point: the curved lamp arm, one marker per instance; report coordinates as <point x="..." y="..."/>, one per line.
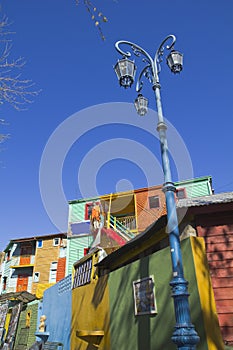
<point x="145" y="72"/>
<point x="137" y="50"/>
<point x="154" y="65"/>
<point x="159" y="53"/>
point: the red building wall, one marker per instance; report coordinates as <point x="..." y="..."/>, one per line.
<point x="61" y="269"/>
<point x="217" y="229"/>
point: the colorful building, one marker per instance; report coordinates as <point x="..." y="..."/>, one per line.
<point x="56" y="306"/>
<point x="110" y="309"/>
<point x="211" y="217"/>
<point x="12" y="309"/>
<point x="125" y="214"/>
<point x="33" y="264"/>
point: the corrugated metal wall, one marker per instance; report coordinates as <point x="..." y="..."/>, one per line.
<point x="76" y="247"/>
<point x="77" y="212"/>
<point x="196" y="188"/>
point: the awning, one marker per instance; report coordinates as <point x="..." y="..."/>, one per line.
<point x="24" y="296"/>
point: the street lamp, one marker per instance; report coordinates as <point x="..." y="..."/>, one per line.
<point x="184" y="334"/>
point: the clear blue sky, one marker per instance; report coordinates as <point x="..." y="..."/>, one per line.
<point x="68" y="61"/>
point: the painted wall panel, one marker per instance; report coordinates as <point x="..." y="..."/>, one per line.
<point x="196" y="187"/>
<point x="61" y="268"/>
<point x="45" y="255"/>
<point x="12" y="283"/>
<point x="149" y="331"/>
<point x="57" y="308"/>
<point x="90" y="316"/>
<point x="80" y="227"/>
<point x="77" y="212"/>
<point x="27" y="326"/>
<point x="76" y="246"/>
<point x="29" y="284"/>
<point x="217" y="230"/>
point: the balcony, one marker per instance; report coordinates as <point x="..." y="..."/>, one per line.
<point x="22" y="261"/>
<point x="129" y="222"/>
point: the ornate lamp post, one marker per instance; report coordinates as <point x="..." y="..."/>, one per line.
<point x="184" y="335"/>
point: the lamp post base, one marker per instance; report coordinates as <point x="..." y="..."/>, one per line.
<point x="184" y="335"/>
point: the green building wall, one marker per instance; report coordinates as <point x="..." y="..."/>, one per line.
<point x="197" y="187"/>
<point x="25" y="336"/>
<point x="75" y="249"/>
<point x="131" y="332"/>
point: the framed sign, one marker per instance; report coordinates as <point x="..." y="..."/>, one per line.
<point x="144" y="296"/>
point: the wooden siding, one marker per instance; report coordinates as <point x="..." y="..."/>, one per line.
<point x="61" y="269"/>
<point x="77" y="212"/>
<point x="75" y="251"/>
<point x="25" y="335"/>
<point x="217" y="229"/>
<point x="196" y="187"/>
<point x="43" y="259"/>
<point x="12" y="283"/>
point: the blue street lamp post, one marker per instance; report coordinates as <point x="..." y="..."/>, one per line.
<point x="184" y="334"/>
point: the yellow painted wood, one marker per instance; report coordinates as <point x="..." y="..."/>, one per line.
<point x="41" y="287"/>
<point x="20" y="266"/>
<point x="136" y="213"/>
<point x="213" y="333"/>
<point x="84" y="333"/>
<point x="7" y="322"/>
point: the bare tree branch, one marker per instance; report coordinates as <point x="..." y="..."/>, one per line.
<point x="96" y="16"/>
<point x="14" y="90"/>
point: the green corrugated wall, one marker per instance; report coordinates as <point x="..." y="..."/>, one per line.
<point x="77" y="212"/>
<point x="76" y="249"/>
<point x="25" y="337"/>
<point x="196" y="187"/>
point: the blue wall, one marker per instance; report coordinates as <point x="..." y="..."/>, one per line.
<point x="57" y="308"/>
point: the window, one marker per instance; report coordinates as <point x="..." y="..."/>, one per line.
<point x="28" y="319"/>
<point x="56" y="242"/>
<point x="181" y="193"/>
<point x="4" y="283"/>
<point x="83" y="274"/>
<point x="88" y="210"/>
<point x="25" y="249"/>
<point x="154" y="202"/>
<point x="53" y="272"/>
<point x="86" y="251"/>
<point x="8" y="255"/>
<point x="36" y="277"/>
<point x="40" y="243"/>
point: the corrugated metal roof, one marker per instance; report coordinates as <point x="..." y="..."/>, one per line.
<point x="21" y="296"/>
<point x="219" y="198"/>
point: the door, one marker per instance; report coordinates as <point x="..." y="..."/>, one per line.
<point x="22" y="283"/>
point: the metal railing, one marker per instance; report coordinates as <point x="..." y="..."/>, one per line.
<point x="119" y="228"/>
<point x="128" y="221"/>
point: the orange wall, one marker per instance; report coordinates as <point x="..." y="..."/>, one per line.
<point x="61" y="269"/>
<point x="145" y="215"/>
